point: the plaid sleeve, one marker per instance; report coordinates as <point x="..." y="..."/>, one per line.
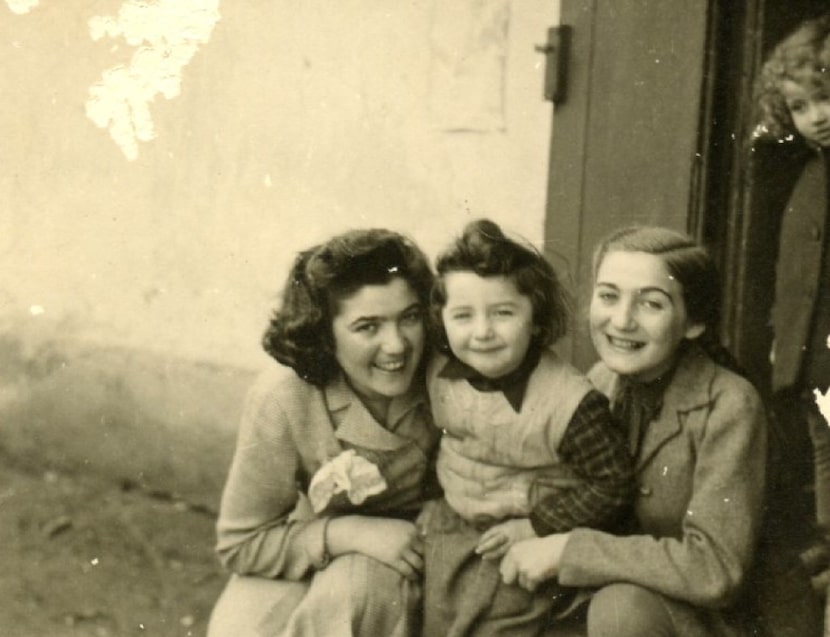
<point x="594" y="447"/>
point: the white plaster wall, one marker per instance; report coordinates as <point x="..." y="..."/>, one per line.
<point x="290" y="121"/>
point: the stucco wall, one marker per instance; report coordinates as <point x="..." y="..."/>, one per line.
<point x="139" y="261"/>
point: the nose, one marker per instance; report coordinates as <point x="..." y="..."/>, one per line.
<point x="482" y="328"/>
<point x="394" y="341"/>
<point x="622" y="315"/>
<point x="816" y="114"/>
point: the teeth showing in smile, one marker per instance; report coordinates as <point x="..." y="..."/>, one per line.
<point x="394" y="366"/>
<point x="624" y="343"/>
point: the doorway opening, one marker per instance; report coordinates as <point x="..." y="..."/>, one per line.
<point x="740" y="192"/>
<point x="740" y="187"/>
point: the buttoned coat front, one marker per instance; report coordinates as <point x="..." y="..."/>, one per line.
<point x="798" y="269"/>
<point x="700" y="473"/>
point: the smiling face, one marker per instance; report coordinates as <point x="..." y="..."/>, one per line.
<point x="489" y="324"/>
<point x="638" y="315"/>
<point x="379" y="340"/>
<point x="810" y="109"/>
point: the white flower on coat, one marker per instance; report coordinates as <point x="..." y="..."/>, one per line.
<point x="349" y="473"/>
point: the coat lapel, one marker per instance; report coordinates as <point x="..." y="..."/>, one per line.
<point x="356" y="426"/>
<point x="688" y="391"/>
<point x="660" y="432"/>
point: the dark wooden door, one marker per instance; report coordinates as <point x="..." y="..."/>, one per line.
<point x="625" y="142"/>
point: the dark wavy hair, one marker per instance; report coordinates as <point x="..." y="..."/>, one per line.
<point x="803" y="57"/>
<point x="485" y="250"/>
<point x="692" y="267"/>
<point x="299" y="333"/>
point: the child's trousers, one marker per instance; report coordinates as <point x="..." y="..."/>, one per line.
<point x="820" y="435"/>
<point x="464" y="594"/>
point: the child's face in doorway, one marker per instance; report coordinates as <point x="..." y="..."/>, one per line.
<point x="489" y="323"/>
<point x="810" y="109"/>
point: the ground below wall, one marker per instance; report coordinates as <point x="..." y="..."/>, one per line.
<point x="152" y="422"/>
<point x="83" y="556"/>
<point x="112" y="462"/>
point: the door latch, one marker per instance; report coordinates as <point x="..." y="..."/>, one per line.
<point x="556" y="50"/>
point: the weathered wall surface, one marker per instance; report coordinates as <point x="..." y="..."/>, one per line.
<point x="163" y="161"/>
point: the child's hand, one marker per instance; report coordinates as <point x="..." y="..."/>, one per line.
<point x="496" y="540"/>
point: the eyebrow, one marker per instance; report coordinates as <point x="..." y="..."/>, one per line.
<point x="463" y="306"/>
<point x="659" y="290"/>
<point x="645" y="290"/>
<point x="377" y="317"/>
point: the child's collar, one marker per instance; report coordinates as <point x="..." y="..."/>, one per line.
<point x="513" y="384"/>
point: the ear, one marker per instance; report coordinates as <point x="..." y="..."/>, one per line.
<point x="694" y="330"/>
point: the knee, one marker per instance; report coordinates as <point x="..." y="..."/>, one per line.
<point x="626" y="610"/>
<point x="353" y="582"/>
<point x="248" y="602"/>
<point x="332" y="587"/>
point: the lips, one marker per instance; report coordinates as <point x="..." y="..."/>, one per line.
<point x="391" y="366"/>
<point x="624" y="343"/>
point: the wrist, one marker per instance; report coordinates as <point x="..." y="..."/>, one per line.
<point x="342" y="535"/>
<point x="316" y="543"/>
<point x="325" y="554"/>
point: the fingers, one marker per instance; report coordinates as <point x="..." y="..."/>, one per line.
<point x="414" y="559"/>
<point x="405" y="569"/>
<point x="496" y="553"/>
<point x="493" y="547"/>
<point x="511" y="573"/>
<point x="508" y="569"/>
<point x="490" y="534"/>
<point x="410" y="565"/>
<point x="491" y="542"/>
<point x="526" y="582"/>
<point x="417" y="542"/>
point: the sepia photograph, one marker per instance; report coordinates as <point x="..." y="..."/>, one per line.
<point x="436" y="318"/>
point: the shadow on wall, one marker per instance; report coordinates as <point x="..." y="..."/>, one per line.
<point x="138" y="418"/>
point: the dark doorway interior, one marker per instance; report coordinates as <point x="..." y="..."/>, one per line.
<point x="741" y="187"/>
<point x="738" y="198"/>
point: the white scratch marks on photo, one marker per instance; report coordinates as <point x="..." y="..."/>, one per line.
<point x="166" y="34"/>
<point x="823" y="399"/>
<point x="22" y="6"/>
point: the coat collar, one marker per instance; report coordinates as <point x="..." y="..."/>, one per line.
<point x="690" y="389"/>
<point x="355" y="425"/>
<point x="692" y="384"/>
<point x="513" y="385"/>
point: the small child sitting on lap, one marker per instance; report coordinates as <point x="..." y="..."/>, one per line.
<point x="529" y="448"/>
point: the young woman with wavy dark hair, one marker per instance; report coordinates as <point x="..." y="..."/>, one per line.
<point x="316" y="520"/>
